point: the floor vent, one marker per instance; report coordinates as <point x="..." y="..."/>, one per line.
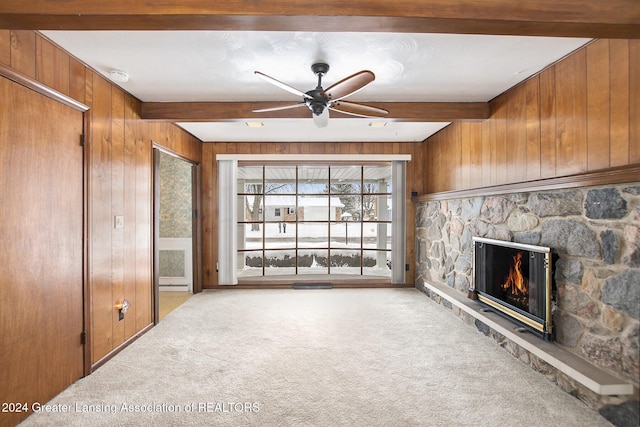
<point x="312" y="286"/>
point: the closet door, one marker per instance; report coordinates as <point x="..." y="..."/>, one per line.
<point x="41" y="248"/>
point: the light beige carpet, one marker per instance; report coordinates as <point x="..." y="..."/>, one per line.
<point x="340" y="357"/>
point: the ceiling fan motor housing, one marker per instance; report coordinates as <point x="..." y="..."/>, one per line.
<point x="320" y="68"/>
<point x="318" y="101"/>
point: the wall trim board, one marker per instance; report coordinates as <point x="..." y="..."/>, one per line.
<point x="38" y="87"/>
<point x="173" y="153"/>
<point x="616" y="175"/>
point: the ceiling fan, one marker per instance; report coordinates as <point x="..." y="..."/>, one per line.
<point x="320" y="100"/>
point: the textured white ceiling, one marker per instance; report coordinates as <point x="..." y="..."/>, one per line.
<point x="168" y="66"/>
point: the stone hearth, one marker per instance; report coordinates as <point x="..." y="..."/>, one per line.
<point x="595" y="233"/>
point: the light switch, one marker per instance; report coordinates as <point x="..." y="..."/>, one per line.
<point x="118" y="221"/>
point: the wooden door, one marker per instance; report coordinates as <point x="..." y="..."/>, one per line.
<point x="41" y="248"/>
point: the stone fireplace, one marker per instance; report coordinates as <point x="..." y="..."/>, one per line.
<point x="514" y="280"/>
<point x="594" y="233"/>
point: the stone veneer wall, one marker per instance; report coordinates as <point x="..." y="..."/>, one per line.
<point x="595" y="233"/>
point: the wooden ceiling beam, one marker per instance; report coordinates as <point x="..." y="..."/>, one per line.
<point x="225" y="111"/>
<point x="569" y="18"/>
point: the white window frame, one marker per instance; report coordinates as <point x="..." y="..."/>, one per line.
<point x="228" y="209"/>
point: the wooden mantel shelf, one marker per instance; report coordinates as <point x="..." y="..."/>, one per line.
<point x="592" y="377"/>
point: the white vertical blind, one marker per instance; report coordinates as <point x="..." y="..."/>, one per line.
<point x="398" y="220"/>
<point x="227" y="222"/>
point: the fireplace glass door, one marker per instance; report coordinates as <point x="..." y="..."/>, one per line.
<point x="514" y="279"/>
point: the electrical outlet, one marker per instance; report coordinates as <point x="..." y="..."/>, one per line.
<point x="118" y="221"/>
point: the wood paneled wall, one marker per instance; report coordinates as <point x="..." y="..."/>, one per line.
<point x="579" y="115"/>
<point x="119" y="163"/>
<point x="210" y="187"/>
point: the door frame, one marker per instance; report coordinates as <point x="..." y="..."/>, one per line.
<point x="196" y="224"/>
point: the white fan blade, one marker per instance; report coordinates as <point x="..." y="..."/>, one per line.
<point x="282" y="85"/>
<point x="285" y="107"/>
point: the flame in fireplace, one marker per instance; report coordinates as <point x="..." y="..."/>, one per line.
<point x="515" y="283"/>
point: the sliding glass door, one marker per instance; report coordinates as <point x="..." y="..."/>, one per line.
<point x="301" y="219"/>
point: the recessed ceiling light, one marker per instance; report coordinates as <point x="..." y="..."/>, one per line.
<point x="377" y="124"/>
<point x="254" y="124"/>
<point x="119" y="76"/>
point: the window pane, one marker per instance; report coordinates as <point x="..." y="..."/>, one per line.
<point x="313" y="262"/>
<point x="280" y="180"/>
<point x="313" y="234"/>
<point x="250" y="179"/>
<point x="280" y="235"/>
<point x="250" y="207"/>
<point x="377" y="235"/>
<point x="376" y="263"/>
<point x="377" y="179"/>
<point x="345" y="262"/>
<point x="314" y="219"/>
<point x="315" y="208"/>
<point x="250" y="264"/>
<point x="345" y="234"/>
<point x="351" y="207"/>
<point x="376" y="208"/>
<point x="277" y="208"/>
<point x="313" y="179"/>
<point x="279" y="262"/>
<point x="250" y="236"/>
<point x="346" y="179"/>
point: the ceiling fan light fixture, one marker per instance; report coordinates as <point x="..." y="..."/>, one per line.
<point x="119" y="76"/>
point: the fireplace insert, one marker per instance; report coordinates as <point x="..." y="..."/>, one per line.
<point x="514" y="280"/>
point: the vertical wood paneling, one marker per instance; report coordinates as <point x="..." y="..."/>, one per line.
<point x="485" y="146"/>
<point x="23" y="52"/>
<point x="620" y="100"/>
<point x="129" y="212"/>
<point x="77" y="80"/>
<point x="52" y="65"/>
<point x="580" y="114"/>
<point x="571" y="111"/>
<point x="101" y="219"/>
<point x="143" y="231"/>
<point x="500" y="124"/>
<point x="208" y="158"/>
<point x="465" y="155"/>
<point x="456" y="158"/>
<point x="119" y="168"/>
<point x="634" y="102"/>
<point x="117" y="208"/>
<point x="5" y="47"/>
<point x="516" y="136"/>
<point x="493" y="157"/>
<point x="598" y="105"/>
<point x="532" y="87"/>
<point x="475" y="149"/>
<point x="548" y="123"/>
